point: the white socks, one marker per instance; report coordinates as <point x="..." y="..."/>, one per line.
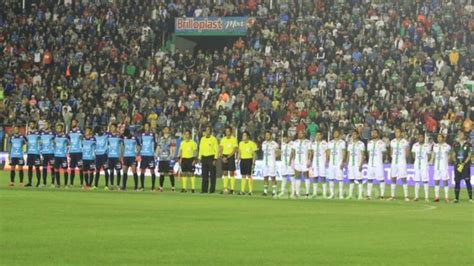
<point x="436" y="191"/>
<point x="417" y="190"/>
<point x="298" y="187"/>
<point x="425" y="186"/>
<point x="382" y="188"/>
<point x="393" y="187"/>
<point x="324" y="185"/>
<point x="331" y="188"/>
<point x="405" y="190"/>
<point x="283" y="185"/>
<point x="369" y="189"/>
<point x="307" y="184"/>
<point x="315" y="188"/>
<point x="351" y="189"/>
<point x="360" y="186"/>
<point x="341" y="189"/>
<point x="446" y="190"/>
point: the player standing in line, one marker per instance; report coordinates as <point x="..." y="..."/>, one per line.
<point x="399" y="148"/>
<point x="75" y="153"/>
<point x="227" y="149"/>
<point x="115" y="152"/>
<point x="167" y="151"/>
<point x="441" y="152"/>
<point x="421" y="152"/>
<point x="61" y="146"/>
<point x="356" y="158"/>
<point x="33" y="158"/>
<point x="47" y="152"/>
<point x="101" y="145"/>
<point x="88" y="157"/>
<point x="318" y="153"/>
<point x="131" y="146"/>
<point x="376" y="149"/>
<point x="270" y="149"/>
<point x="16" y="143"/>
<point x="301" y="162"/>
<point x="287" y="171"/>
<point x="147" y="154"/>
<point x="462" y="167"/>
<point x="247" y="155"/>
<point x="187" y="159"/>
<point x="336" y="152"/>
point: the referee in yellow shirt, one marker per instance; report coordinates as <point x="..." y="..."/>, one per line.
<point x="227" y="149"/>
<point x="247" y="155"/>
<point x="187" y="159"/>
<point x="208" y="152"/>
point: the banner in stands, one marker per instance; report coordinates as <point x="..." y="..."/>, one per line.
<point x="212" y="26"/>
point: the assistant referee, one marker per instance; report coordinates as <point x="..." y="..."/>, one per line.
<point x="228" y="148"/>
<point x="187" y="155"/>
<point x="208" y="152"/>
<point x="462" y="169"/>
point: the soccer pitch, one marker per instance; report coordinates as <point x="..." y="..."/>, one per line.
<point x="75" y="227"/>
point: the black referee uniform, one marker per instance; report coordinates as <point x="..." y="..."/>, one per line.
<point x="462" y="167"/>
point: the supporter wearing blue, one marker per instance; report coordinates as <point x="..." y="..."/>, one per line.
<point x="75" y="152"/>
<point x="101" y="145"/>
<point x="88" y="156"/>
<point x="47" y="151"/>
<point x="131" y="146"/>
<point x="147" y="154"/>
<point x="33" y="153"/>
<point x="114" y="154"/>
<point x="16" y="143"/>
<point x="61" y="146"/>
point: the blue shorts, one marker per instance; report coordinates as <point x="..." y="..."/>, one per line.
<point x="129" y="161"/>
<point x="48" y="159"/>
<point x="88" y="165"/>
<point x="101" y="161"/>
<point x="60" y="162"/>
<point x="17" y="161"/>
<point x="147" y="162"/>
<point x="75" y="160"/>
<point x="114" y="163"/>
<point x="33" y="160"/>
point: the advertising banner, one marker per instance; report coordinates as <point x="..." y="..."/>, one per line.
<point x="212" y="26"/>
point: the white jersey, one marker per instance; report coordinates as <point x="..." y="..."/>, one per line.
<point x="336" y="152"/>
<point x="355" y="150"/>
<point x="319" y="153"/>
<point x="269" y="149"/>
<point x="286" y="153"/>
<point x="441" y="153"/>
<point x="301" y="148"/>
<point x="421" y="152"/>
<point x="398" y="151"/>
<point x="376" y="148"/>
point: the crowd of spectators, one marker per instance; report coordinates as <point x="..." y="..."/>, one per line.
<point x="304" y="65"/>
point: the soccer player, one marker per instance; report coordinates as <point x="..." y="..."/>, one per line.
<point x="301" y="162"/>
<point x="356" y="158"/>
<point x="16" y="143"/>
<point x="61" y="146"/>
<point x="270" y="149"/>
<point x="208" y="153"/>
<point x="47" y="152"/>
<point x="114" y="155"/>
<point x="101" y="146"/>
<point x="376" y="149"/>
<point x="399" y="148"/>
<point x="228" y="147"/>
<point x="131" y="147"/>
<point x="167" y="151"/>
<point x="441" y="152"/>
<point x="75" y="153"/>
<point x="336" y="152"/>
<point x="287" y="171"/>
<point x="187" y="159"/>
<point x="247" y="155"/>
<point x="462" y="169"/>
<point x="421" y="152"/>
<point x="88" y="157"/>
<point x="33" y="158"/>
<point x="147" y="154"/>
<point x="318" y="154"/>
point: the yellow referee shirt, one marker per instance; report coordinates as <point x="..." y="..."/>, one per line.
<point x="247" y="150"/>
<point x="228" y="145"/>
<point x="208" y="146"/>
<point x="188" y="149"/>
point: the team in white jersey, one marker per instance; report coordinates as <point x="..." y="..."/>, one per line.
<point x="270" y="149"/>
<point x="441" y="152"/>
<point x="375" y="149"/>
<point x="399" y="148"/>
<point x="319" y="163"/>
<point x="421" y="152"/>
<point x="336" y="154"/>
<point x="301" y="162"/>
<point x="286" y="170"/>
<point x="356" y="157"/>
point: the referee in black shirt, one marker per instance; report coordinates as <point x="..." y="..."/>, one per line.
<point x="462" y="169"/>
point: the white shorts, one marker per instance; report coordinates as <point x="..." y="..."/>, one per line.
<point x="354" y="173"/>
<point x="318" y="171"/>
<point x="399" y="170"/>
<point x="269" y="170"/>
<point x="375" y="172"/>
<point x="301" y="167"/>
<point x="421" y="175"/>
<point x="286" y="171"/>
<point x="334" y="172"/>
<point x="441" y="174"/>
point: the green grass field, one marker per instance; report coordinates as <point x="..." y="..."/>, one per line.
<point x="74" y="227"/>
